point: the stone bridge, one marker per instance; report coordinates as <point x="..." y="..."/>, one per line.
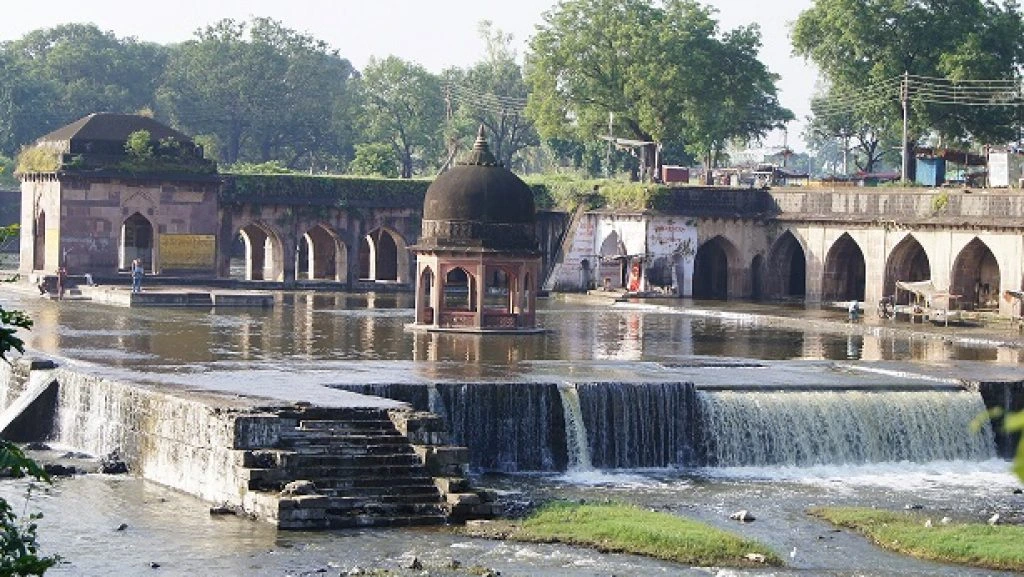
<point x="805" y="243"/>
<point x="274" y="230"/>
<point x="808" y="244"/>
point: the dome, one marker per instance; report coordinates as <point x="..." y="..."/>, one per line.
<point x="479" y="203"/>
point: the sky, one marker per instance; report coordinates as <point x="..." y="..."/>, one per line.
<point x="435" y="33"/>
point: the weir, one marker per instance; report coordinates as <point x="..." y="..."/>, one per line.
<point x="560" y="426"/>
<point x="347" y="462"/>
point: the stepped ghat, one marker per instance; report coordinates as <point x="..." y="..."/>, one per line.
<point x="346" y="461"/>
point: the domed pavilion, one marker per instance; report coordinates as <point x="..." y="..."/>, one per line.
<point x="477" y="261"/>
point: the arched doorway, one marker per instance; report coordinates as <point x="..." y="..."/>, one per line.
<point x="787" y="268"/>
<point x="976" y="276"/>
<point x="498" y="289"/>
<point x="382" y="256"/>
<point x="39" y="243"/>
<point x="614" y="268"/>
<point x="321" y="256"/>
<point x="264" y="255"/>
<point x="907" y="262"/>
<point x="845" y="275"/>
<point x="711" y="270"/>
<point x="459" y="291"/>
<point x="757" y="278"/>
<point x="136" y="241"/>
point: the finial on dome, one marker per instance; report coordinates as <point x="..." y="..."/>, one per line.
<point x="481" y="154"/>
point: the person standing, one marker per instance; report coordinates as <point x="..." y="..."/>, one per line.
<point x="137" y="273"/>
<point x="62" y="281"/>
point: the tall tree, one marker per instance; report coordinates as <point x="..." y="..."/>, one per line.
<point x="660" y="72"/>
<point x="492" y="93"/>
<point x="405" y="109"/>
<point x="263" y="91"/>
<point x="869" y="44"/>
<point x="54" y="76"/>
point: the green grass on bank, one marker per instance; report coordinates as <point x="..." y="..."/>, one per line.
<point x="976" y="544"/>
<point x="628" y="529"/>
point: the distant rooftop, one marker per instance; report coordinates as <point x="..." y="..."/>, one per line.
<point x="111" y="127"/>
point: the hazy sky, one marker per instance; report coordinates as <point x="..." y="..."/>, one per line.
<point x="435" y="33"/>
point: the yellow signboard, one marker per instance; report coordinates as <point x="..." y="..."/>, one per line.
<point x="187" y="251"/>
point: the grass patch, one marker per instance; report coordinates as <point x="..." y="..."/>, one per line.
<point x="975" y="544"/>
<point x="617" y="528"/>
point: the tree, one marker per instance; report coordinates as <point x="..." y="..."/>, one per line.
<point x="19" y="549"/>
<point x="491" y="93"/>
<point x="403" y="107"/>
<point x="54" y="76"/>
<point x="261" y="91"/>
<point x="658" y="72"/>
<point x="863" y="49"/>
<point x="374" y="159"/>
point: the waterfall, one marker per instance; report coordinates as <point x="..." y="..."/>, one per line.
<point x="636" y="425"/>
<point x="547" y="427"/>
<point x="843" y="427"/>
<point x="506" y="426"/>
<point x="576" y="446"/>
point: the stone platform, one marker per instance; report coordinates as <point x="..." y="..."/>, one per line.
<point x="176" y="297"/>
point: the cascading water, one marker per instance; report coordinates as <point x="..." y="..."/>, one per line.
<point x="843" y="427"/>
<point x="577" y="447"/>
<point x="506" y="426"/>
<point x="637" y="425"/>
<point x="548" y="427"/>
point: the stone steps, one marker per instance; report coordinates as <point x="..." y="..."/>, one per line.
<point x="322" y="461"/>
<point x="364" y="472"/>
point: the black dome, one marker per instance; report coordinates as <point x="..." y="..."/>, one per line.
<point x="479" y="203"/>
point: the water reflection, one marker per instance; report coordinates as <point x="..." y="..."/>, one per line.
<point x="350" y="327"/>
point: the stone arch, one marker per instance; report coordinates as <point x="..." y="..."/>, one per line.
<point x="614" y="269"/>
<point x="757" y="277"/>
<point x="907" y="262"/>
<point x="136" y="241"/>
<point x="264" y="252"/>
<point x="459" y="290"/>
<point x="976" y="276"/>
<point x="498" y="289"/>
<point x="845" y="271"/>
<point x="322" y="255"/>
<point x="711" y="268"/>
<point x="787" y="268"/>
<point x="383" y="256"/>
<point x="39" y="242"/>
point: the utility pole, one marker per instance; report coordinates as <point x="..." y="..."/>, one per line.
<point x="904" y="99"/>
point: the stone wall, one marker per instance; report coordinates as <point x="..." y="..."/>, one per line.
<point x="162" y="435"/>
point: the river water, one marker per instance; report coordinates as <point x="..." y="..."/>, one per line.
<point x="332" y="333"/>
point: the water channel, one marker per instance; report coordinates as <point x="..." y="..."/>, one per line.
<point x="333" y="338"/>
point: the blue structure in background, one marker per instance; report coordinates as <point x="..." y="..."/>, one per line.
<point x="931" y="171"/>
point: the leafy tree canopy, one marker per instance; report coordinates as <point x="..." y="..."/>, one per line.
<point x="374" y="159"/>
<point x="491" y="93"/>
<point x="54" y="76"/>
<point x="662" y="72"/>
<point x="860" y="44"/>
<point x="262" y="90"/>
<point x="403" y="107"/>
